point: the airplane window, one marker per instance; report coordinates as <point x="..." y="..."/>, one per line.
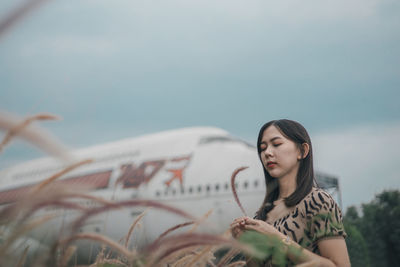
<point x="182" y="190"/>
<point x="245" y="185"/>
<point x="216" y="187"/>
<point x="158" y="193"/>
<point x="199" y="188"/>
<point x="190" y="190"/>
<point x="208" y="187"/>
<point x="256" y="183"/>
<point x="226" y="186"/>
<point x="173" y="191"/>
<point x="166" y="192"/>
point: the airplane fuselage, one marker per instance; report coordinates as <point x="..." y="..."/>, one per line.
<point x="189" y="169"/>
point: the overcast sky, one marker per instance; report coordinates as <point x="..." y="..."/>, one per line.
<point x="123" y="68"/>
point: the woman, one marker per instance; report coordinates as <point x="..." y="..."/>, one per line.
<point x="294" y="209"/>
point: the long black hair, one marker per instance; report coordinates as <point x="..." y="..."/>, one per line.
<point x="305" y="176"/>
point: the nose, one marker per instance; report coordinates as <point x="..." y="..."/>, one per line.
<point x="268" y="151"/>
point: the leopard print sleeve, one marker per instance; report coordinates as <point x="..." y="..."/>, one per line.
<point x="326" y="221"/>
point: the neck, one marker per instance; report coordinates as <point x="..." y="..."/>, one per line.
<point x="287" y="185"/>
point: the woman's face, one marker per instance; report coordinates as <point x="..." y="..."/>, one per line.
<point x="280" y="155"/>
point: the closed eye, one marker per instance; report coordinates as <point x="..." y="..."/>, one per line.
<point x="263" y="147"/>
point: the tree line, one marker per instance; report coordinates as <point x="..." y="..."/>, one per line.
<point x="374" y="233"/>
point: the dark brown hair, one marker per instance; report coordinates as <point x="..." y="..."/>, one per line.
<point x="305" y="176"/>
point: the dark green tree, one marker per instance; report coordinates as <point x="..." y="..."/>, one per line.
<point x="352" y="216"/>
<point x="356" y="245"/>
<point x="379" y="227"/>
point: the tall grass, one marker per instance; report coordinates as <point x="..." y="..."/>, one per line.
<point x="233" y="178"/>
<point x="20" y="218"/>
<point x="17" y="14"/>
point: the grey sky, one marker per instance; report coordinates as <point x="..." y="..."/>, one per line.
<point x="115" y="69"/>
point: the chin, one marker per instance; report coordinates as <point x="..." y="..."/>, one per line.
<point x="274" y="175"/>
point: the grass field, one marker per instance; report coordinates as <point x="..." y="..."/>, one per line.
<point x="30" y="212"/>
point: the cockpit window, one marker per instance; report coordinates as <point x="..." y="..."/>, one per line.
<point x="222" y="139"/>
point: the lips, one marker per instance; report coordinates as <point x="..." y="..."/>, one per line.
<point x="271" y="164"/>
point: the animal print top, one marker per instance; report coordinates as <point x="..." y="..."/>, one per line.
<point x="315" y="218"/>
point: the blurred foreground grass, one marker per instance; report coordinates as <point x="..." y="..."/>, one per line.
<point x="20" y="218"/>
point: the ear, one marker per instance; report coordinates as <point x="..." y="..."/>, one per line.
<point x="305" y="148"/>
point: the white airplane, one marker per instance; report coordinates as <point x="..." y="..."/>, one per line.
<point x="187" y="168"/>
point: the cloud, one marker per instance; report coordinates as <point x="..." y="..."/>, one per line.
<point x="132" y="59"/>
<point x="365" y="158"/>
<point x="67" y="45"/>
<point x="286" y="10"/>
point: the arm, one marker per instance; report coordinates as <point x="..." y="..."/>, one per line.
<point x="333" y="254"/>
<point x="333" y="251"/>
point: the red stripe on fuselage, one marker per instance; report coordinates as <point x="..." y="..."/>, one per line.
<point x="93" y="181"/>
